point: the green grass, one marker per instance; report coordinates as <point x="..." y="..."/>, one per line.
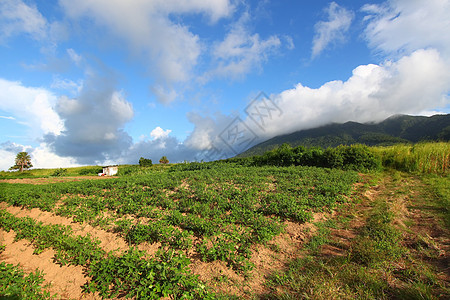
<point x="42" y="173"/>
<point x="421" y="157"/>
<point x="439" y="187"/>
<point x="378" y="264"/>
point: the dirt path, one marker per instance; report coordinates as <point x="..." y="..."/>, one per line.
<point x="427" y="231"/>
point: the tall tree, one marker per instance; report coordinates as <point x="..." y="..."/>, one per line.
<point x="23" y="161"/>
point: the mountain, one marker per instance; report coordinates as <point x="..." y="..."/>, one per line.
<point x="395" y="129"/>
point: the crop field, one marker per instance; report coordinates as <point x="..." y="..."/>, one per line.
<point x="175" y="233"/>
<point x="235" y="229"/>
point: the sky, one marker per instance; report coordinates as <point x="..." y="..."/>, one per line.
<point x="97" y="82"/>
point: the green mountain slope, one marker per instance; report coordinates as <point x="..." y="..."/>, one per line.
<point x="396" y="129"/>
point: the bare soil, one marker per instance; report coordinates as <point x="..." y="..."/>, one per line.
<point x="66" y="281"/>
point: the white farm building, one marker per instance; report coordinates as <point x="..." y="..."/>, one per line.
<point x="110" y="170"/>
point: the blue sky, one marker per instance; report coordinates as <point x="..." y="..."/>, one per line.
<point x="101" y="81"/>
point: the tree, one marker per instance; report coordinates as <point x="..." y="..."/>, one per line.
<point x="23" y="161"/>
<point x="145" y="162"/>
<point x="164" y="160"/>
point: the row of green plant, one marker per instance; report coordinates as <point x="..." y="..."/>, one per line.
<point x="130" y="274"/>
<point x="250" y="203"/>
<point x="15" y="284"/>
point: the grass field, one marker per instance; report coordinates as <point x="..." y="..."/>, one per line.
<point x="224" y="230"/>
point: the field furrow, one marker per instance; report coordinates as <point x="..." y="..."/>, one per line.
<point x="108" y="241"/>
<point x="66" y="281"/>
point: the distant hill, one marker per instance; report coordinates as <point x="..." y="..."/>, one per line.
<point x="396" y="129"/>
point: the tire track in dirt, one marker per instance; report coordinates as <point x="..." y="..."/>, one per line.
<point x="66" y="281"/>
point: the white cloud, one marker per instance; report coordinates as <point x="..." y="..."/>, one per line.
<point x="403" y="26"/>
<point x="41" y="156"/>
<point x="74" y="56"/>
<point x="155" y="149"/>
<point x="215" y="9"/>
<point x="414" y="84"/>
<point x="241" y="52"/>
<point x="66" y="85"/>
<point x="333" y="30"/>
<point x="164" y="95"/>
<point x="44" y="157"/>
<point x="159" y="133"/>
<point x="8" y="152"/>
<point x="7" y="159"/>
<point x="169" y="49"/>
<point x="7" y="118"/>
<point x="410" y="85"/>
<point x="211" y="132"/>
<point x="16" y="17"/>
<point x="31" y="106"/>
<point x="93" y="121"/>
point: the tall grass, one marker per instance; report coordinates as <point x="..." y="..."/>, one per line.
<point x="422" y="157"/>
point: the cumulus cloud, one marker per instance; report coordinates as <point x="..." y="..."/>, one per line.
<point x="413" y="84"/>
<point x="168" y="146"/>
<point x="171" y="50"/>
<point x="159" y="133"/>
<point x="207" y="130"/>
<point x="8" y="152"/>
<point x="16" y="17"/>
<point x="44" y="157"/>
<point x="41" y="156"/>
<point x="403" y="26"/>
<point x="93" y="122"/>
<point x="31" y="106"/>
<point x="333" y="30"/>
<point x="241" y="51"/>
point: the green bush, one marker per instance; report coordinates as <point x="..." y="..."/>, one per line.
<point x="59" y="172"/>
<point x="355" y="157"/>
<point x="90" y="171"/>
<point x="145" y="162"/>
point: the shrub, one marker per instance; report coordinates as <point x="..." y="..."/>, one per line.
<point x="90" y="171"/>
<point x="60" y="172"/>
<point x="355" y="157"/>
<point x="145" y="162"/>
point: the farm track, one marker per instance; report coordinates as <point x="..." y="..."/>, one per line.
<point x="424" y="239"/>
